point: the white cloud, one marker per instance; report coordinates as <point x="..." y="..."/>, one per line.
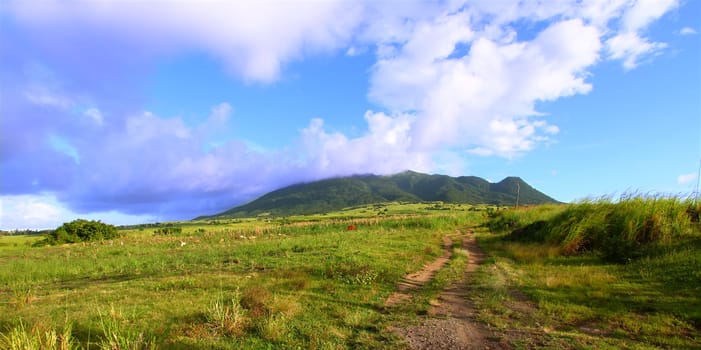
<point x="385" y="148"/>
<point x="643" y="12"/>
<point x="253" y="40"/>
<point x="483" y="99"/>
<point x="630" y="47"/>
<point x="628" y="44"/>
<point x="44" y="211"/>
<point x="686" y="179"/>
<point x="44" y="97"/>
<point x="453" y="78"/>
<point x="95" y="115"/>
<point x="687" y="31"/>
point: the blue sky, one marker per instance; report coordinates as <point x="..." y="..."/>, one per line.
<point x="132" y="112"/>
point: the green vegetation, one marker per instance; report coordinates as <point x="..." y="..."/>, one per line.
<point x="168" y="229"/>
<point x="336" y="194"/>
<point x="597" y="274"/>
<point x="630" y="228"/>
<point x="81" y="231"/>
<point x="20" y="338"/>
<point x="632" y="279"/>
<point x="297" y="282"/>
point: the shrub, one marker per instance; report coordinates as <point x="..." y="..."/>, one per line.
<point x="168" y="230"/>
<point x="81" y="231"/>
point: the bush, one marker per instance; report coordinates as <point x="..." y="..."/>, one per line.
<point x="168" y="230"/>
<point x="81" y="231"/>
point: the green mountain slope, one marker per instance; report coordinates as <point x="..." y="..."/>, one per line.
<point x="335" y="194"/>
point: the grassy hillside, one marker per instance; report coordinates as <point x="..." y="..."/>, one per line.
<point x="597" y="274"/>
<point x="336" y="194"/>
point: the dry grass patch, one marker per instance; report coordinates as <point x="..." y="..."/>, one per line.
<point x="226" y="317"/>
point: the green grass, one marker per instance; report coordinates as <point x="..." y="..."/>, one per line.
<point x="226" y="285"/>
<point x="307" y="282"/>
<point x="591" y="298"/>
<point x="630" y="228"/>
<point x="17" y="242"/>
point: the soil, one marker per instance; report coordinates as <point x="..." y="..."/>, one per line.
<point x="416" y="280"/>
<point x="451" y="322"/>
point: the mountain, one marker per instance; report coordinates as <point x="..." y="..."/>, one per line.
<point x="338" y="193"/>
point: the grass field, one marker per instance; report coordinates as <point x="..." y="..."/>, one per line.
<point x="228" y="285"/>
<point x="308" y="283"/>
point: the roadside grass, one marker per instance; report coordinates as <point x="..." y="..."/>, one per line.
<point x="588" y="298"/>
<point x="248" y="284"/>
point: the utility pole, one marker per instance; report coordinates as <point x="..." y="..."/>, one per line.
<point x="698" y="179"/>
<point x="518" y="192"/>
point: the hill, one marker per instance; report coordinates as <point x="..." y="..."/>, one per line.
<point x="338" y="193"/>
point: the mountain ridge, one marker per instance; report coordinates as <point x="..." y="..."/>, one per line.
<point x="409" y="186"/>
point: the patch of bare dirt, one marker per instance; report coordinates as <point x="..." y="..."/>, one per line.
<point x="451" y="322"/>
<point x="417" y="279"/>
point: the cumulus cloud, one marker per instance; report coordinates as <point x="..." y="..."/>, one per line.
<point x="484" y="98"/>
<point x="629" y="44"/>
<point x="643" y="12"/>
<point x="252" y="40"/>
<point x="41" y="211"/>
<point x="385" y="148"/>
<point x="451" y="80"/>
<point x="630" y="47"/>
<point x="159" y="166"/>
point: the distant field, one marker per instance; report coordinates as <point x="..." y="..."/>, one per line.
<point x="17" y="242"/>
<point x="307" y="282"/>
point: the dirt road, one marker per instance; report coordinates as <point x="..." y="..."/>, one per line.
<point x="451" y="323"/>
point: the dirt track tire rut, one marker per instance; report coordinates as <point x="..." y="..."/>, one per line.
<point x="452" y="323"/>
<point x="416" y="280"/>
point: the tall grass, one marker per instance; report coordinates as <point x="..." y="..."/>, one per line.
<point x="117" y="337"/>
<point x="21" y="338"/>
<point x="227" y="317"/>
<point x="628" y="228"/>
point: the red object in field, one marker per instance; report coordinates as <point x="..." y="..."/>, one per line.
<point x="351" y="228"/>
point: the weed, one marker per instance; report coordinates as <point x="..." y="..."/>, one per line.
<point x="19" y="338"/>
<point x="273" y="327"/>
<point x="22" y="296"/>
<point x="255" y="300"/>
<point x="227" y="317"/>
<point x="115" y="337"/>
